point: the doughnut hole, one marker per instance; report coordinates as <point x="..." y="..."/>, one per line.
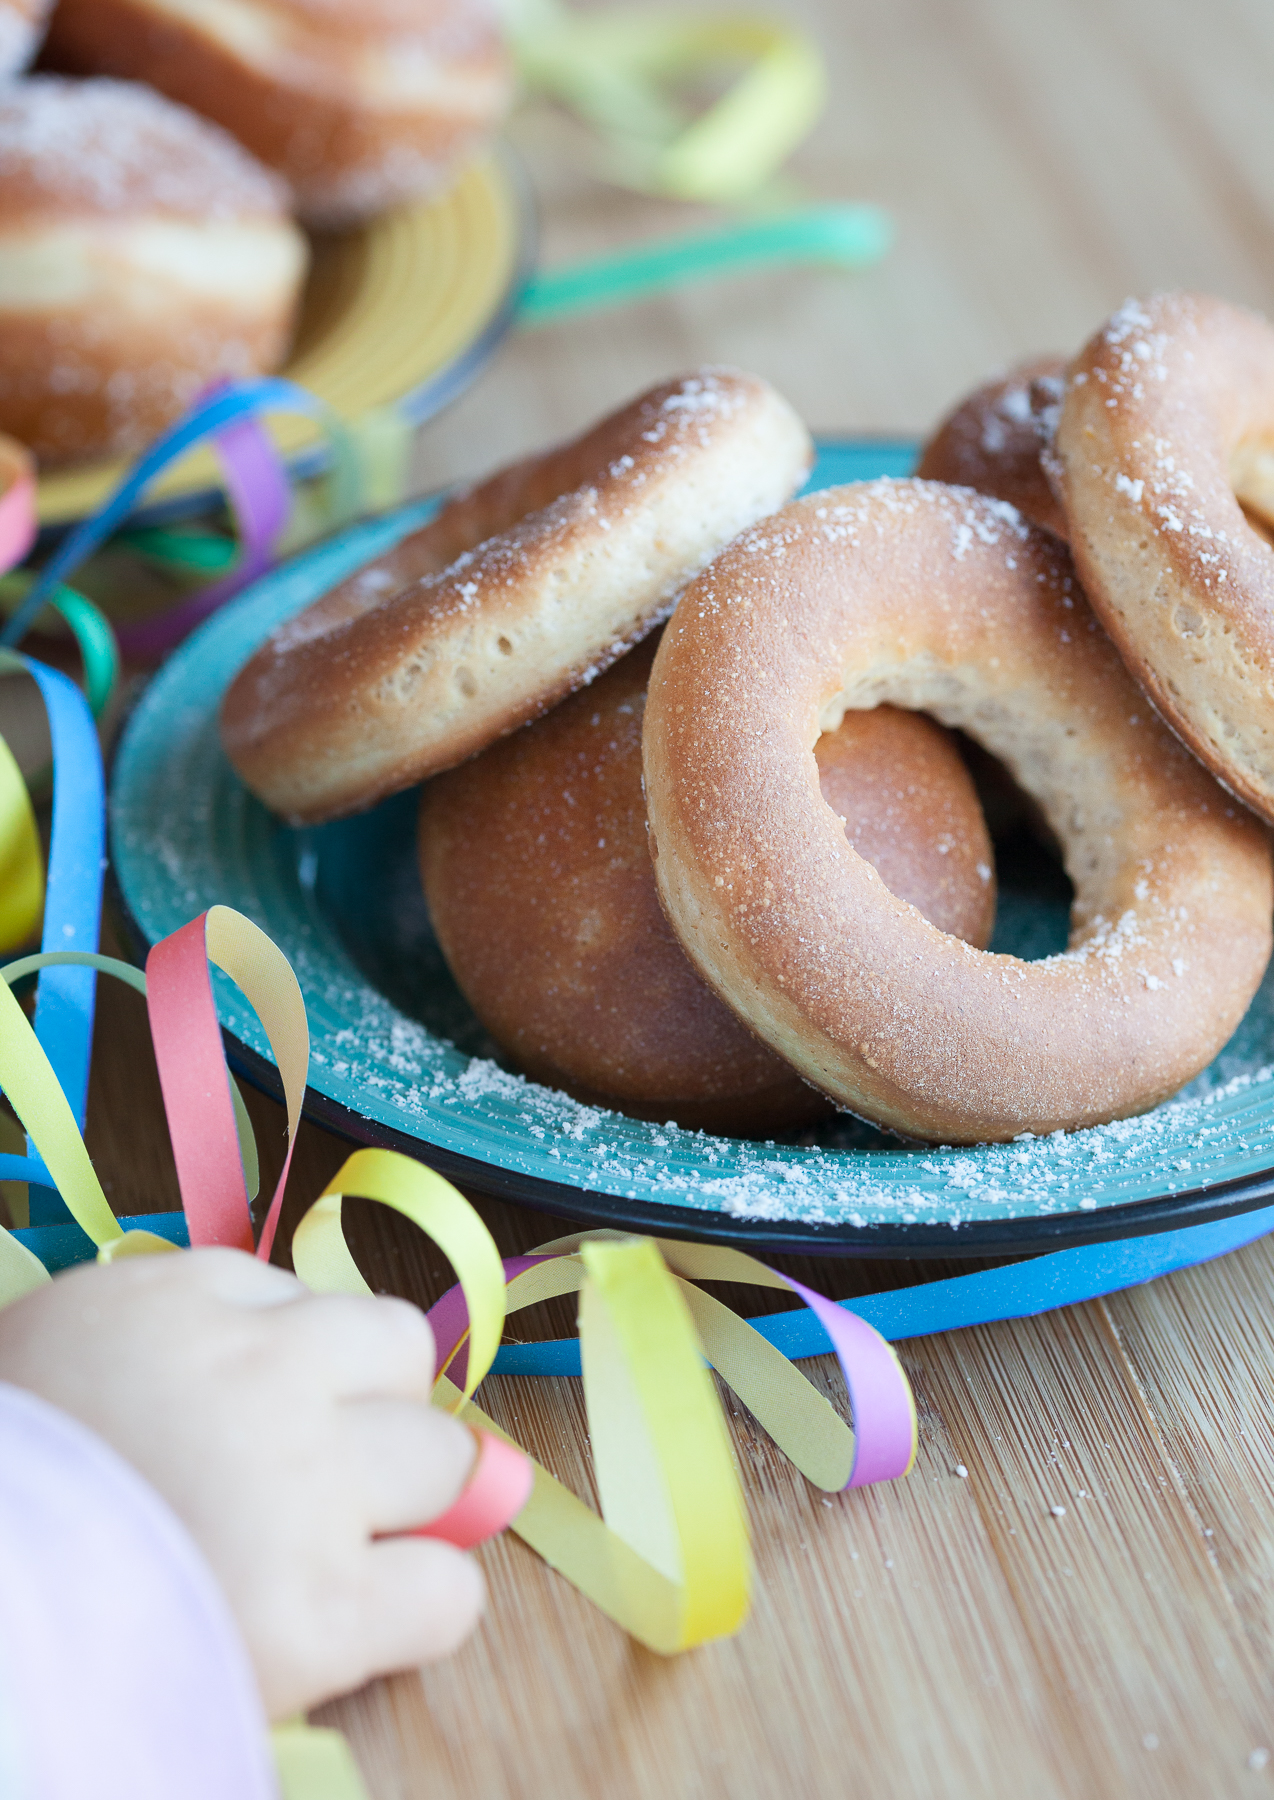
<point x="1252" y="478"/>
<point x="536" y="863"/>
<point x="910" y="808"/>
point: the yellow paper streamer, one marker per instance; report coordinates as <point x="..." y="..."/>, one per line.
<point x="669" y="1559"/>
<point x="21" y="868"/>
<point x="618" y="68"/>
<point x="314" y="1763"/>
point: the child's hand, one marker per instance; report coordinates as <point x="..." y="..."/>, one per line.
<point x="286" y="1429"/>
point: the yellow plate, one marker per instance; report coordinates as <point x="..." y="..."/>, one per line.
<point x="405" y="309"/>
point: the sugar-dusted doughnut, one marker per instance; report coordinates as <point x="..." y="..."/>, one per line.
<point x="22" y="24"/>
<point x="993" y="440"/>
<point x="521" y="591"/>
<point x="540" y="887"/>
<point x="1166" y="434"/>
<point x="360" y="104"/>
<point x="143" y="254"/>
<point x="937" y="598"/>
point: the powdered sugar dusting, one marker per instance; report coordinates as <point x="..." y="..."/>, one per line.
<point x="117" y="146"/>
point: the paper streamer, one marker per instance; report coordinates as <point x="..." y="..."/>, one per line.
<point x="94" y="637"/>
<point x="842" y="236"/>
<point x="260" y="497"/>
<point x="17" y="502"/>
<point x="73" y="896"/>
<point x="21" y="860"/>
<point x="669" y="1560"/>
<point x="197" y="1089"/>
<point x="258" y="491"/>
<point x="620" y="69"/>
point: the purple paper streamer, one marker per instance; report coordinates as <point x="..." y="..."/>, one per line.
<point x="879" y="1395"/>
<point x="883" y="1409"/>
<point x="260" y="497"/>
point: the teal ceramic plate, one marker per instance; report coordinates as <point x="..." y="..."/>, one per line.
<point x="399" y="1059"/>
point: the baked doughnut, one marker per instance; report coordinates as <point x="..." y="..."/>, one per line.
<point x="939" y="599"/>
<point x="360" y="104"/>
<point x="22" y="25"/>
<point x="579" y="553"/>
<point x="1166" y="433"/>
<point x="539" y="883"/>
<point x="143" y="254"/>
<point x="993" y="439"/>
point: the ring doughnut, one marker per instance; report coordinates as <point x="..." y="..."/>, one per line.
<point x="993" y="439"/>
<point x="538" y="877"/>
<point x="428" y="655"/>
<point x="939" y="599"/>
<point x="1166" y="433"/>
<point x="360" y="106"/>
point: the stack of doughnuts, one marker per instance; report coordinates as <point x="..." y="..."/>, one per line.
<point x="143" y="254"/>
<point x="540" y="886"/>
<point x="816" y="924"/>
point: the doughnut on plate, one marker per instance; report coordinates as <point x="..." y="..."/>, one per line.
<point x="404" y="310"/>
<point x="399" y="1059"/>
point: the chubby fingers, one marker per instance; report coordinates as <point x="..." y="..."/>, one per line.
<point x="424" y="1598"/>
<point x="359" y="1345"/>
<point x="408" y="1460"/>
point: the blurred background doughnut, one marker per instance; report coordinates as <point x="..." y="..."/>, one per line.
<point x="994" y="439"/>
<point x="143" y="254"/>
<point x="358" y="106"/>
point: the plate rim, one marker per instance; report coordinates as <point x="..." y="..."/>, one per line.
<point x="1028" y="1235"/>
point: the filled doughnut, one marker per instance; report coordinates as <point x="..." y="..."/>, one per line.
<point x="520" y="591"/>
<point x="22" y="25"/>
<point x="993" y="440"/>
<point x="1166" y="435"/>
<point x="360" y="106"/>
<point x="143" y="254"/>
<point x="542" y="895"/>
<point x="938" y="599"/>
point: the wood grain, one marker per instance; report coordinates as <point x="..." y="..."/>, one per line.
<point x="949" y="1635"/>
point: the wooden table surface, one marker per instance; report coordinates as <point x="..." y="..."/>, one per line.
<point x="951" y="1634"/>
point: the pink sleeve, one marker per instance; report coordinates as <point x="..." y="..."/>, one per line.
<point x="122" y="1673"/>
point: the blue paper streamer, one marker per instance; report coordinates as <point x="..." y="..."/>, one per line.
<point x="238" y="400"/>
<point x="62" y="1246"/>
<point x="66" y="995"/>
<point x="1063" y="1278"/>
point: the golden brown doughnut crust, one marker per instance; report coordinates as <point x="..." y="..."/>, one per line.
<point x="143" y="253"/>
<point x="375" y="687"/>
<point x="539" y="882"/>
<point x="360" y="106"/>
<point x="1167" y="425"/>
<point x="993" y="439"/>
<point x="939" y="599"/>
